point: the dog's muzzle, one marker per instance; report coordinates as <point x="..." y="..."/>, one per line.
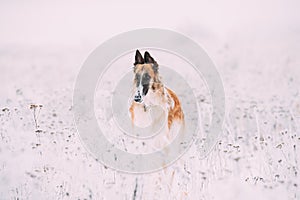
<point x="138" y="97"/>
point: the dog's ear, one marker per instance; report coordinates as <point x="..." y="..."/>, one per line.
<point x="149" y="59"/>
<point x="138" y="58"/>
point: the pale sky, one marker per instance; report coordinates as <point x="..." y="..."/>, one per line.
<point x="78" y="22"/>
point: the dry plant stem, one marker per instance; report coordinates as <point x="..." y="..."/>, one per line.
<point x="36" y="112"/>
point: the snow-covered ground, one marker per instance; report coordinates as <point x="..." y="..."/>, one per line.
<point x="255" y="46"/>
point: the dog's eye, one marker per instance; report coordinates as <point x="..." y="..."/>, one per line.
<point x="137" y="77"/>
<point x="147" y="76"/>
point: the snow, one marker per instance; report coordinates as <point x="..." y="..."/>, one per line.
<point x="255" y="47"/>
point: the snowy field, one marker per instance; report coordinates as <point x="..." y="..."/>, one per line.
<point x="255" y="46"/>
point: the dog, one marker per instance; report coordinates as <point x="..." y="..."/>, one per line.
<point x="149" y="91"/>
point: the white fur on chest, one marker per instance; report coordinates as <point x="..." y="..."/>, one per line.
<point x="142" y="116"/>
<point x="156" y="99"/>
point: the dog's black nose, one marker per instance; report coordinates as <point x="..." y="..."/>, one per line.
<point x="138" y="98"/>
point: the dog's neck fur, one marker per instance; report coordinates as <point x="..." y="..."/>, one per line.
<point x="157" y="84"/>
<point x="158" y="95"/>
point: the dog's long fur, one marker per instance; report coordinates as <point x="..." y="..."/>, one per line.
<point x="148" y="90"/>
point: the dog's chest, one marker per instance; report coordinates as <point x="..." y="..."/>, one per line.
<point x="148" y="112"/>
<point x="149" y="117"/>
<point x="142" y="116"/>
<point x="156" y="99"/>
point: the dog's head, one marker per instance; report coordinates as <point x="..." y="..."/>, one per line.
<point x="145" y="75"/>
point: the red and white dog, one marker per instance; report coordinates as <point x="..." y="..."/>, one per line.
<point x="149" y="91"/>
